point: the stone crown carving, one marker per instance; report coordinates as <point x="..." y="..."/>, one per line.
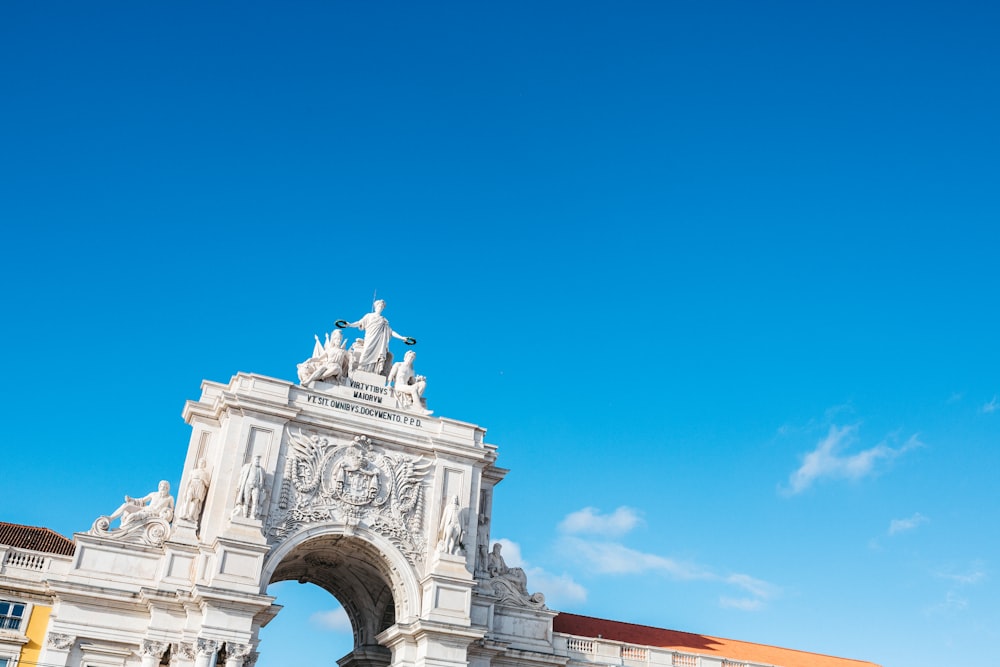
<point x="353" y="483"/>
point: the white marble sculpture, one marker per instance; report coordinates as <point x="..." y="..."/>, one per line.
<point x="309" y="366"/>
<point x="197" y="489"/>
<point x="330" y="361"/>
<point x="450" y="532"/>
<point x="510" y="584"/>
<point x="148" y="517"/>
<point x="377" y="334"/>
<point x="249" y="490"/>
<point x="407" y="387"/>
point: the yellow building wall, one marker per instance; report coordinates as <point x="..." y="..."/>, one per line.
<point x="35" y="632"/>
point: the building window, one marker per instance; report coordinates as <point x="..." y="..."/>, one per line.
<point x="11" y="615"/>
<point x="4" y="662"/>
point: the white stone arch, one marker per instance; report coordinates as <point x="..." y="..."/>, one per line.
<point x="368" y="547"/>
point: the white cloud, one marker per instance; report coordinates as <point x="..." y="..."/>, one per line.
<point x="828" y="459"/>
<point x="617" y="559"/>
<point x="897" y="526"/>
<point x="335" y="620"/>
<point x="973" y="575"/>
<point x="590" y="520"/>
<point x="752" y="585"/>
<point x="992" y="406"/>
<point x="511" y="552"/>
<point x="559" y="589"/>
<point x="743" y="604"/>
<point x="953" y="602"/>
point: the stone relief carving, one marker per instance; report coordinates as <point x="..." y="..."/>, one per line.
<point x="60" y="641"/>
<point x="186" y="650"/>
<point x="238" y="652"/>
<point x="249" y="490"/>
<point x="150" y="648"/>
<point x="510" y="584"/>
<point x="353" y="483"/>
<point x="407" y="387"/>
<point x="330" y="361"/>
<point x="197" y="489"/>
<point x="146" y="519"/>
<point x="206" y="647"/>
<point x="374" y="354"/>
<point x="450" y="533"/>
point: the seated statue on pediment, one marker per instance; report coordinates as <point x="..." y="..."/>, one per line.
<point x="329" y="363"/>
<point x="510" y="584"/>
<point x="408" y="387"/>
<point x="147" y="517"/>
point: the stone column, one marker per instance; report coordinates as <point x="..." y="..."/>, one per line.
<point x="183" y="655"/>
<point x="151" y="652"/>
<point x="236" y="654"/>
<point x="204" y="652"/>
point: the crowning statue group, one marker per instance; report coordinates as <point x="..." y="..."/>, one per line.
<point x="334" y="363"/>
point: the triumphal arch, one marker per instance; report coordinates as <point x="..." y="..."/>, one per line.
<point x="344" y="479"/>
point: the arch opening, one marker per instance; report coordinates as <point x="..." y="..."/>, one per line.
<point x="351" y="570"/>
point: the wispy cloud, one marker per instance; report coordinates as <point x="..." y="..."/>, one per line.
<point x="335" y="620"/>
<point x="560" y="590"/>
<point x="613" y="558"/>
<point x="961" y="578"/>
<point x="952" y="603"/>
<point x="897" y="526"/>
<point x="743" y="604"/>
<point x="974" y="574"/>
<point x="992" y="405"/>
<point x="589" y="520"/>
<point x="831" y="460"/>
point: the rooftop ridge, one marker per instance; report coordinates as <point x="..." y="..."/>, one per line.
<point x="828" y="659"/>
<point x="35" y="538"/>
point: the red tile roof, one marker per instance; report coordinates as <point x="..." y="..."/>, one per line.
<point x="35" y="538"/>
<point x="584" y="626"/>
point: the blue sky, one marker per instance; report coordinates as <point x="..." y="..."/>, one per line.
<point x="720" y="279"/>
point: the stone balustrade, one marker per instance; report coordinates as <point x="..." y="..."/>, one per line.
<point x="586" y="651"/>
<point x="31" y="565"/>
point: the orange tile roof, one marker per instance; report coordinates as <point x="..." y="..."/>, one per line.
<point x="585" y="626"/>
<point x="35" y="538"/>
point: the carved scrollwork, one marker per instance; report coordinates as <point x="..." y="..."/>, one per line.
<point x="186" y="650"/>
<point x="153" y="532"/>
<point x="238" y="652"/>
<point x="354" y="482"/>
<point x="153" y="648"/>
<point x="206" y="647"/>
<point x="60" y="641"/>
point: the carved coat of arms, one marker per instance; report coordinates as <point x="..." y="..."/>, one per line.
<point x="352" y="483"/>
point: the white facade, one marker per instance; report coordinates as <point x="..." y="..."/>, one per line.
<point x="346" y="481"/>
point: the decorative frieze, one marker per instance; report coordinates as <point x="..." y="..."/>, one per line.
<point x="59" y="641"/>
<point x="353" y="483"/>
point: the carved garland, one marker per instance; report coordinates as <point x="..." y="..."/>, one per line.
<point x="60" y="641"/>
<point x="353" y="483"/>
